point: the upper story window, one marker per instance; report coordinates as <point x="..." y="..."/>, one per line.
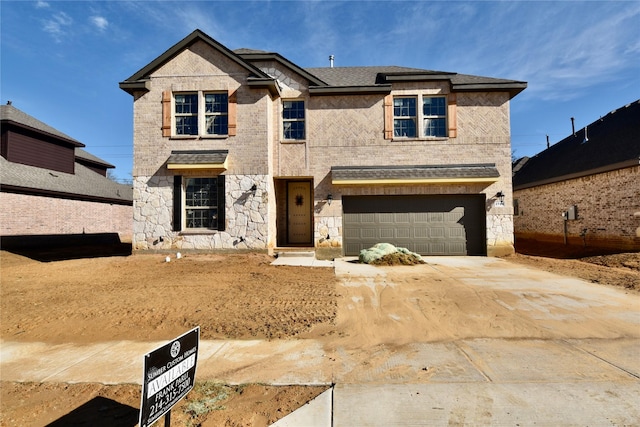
<point x="216" y="113"/>
<point x="198" y="113"/>
<point x="404" y="117"/>
<point x="434" y="112"/>
<point x="186" y="113"/>
<point x="293" y="120"/>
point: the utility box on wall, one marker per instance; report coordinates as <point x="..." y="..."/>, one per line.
<point x="572" y="212"/>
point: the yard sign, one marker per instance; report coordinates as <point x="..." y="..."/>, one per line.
<point x="169" y="374"/>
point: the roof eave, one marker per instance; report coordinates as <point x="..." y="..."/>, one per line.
<point x="514" y="88"/>
<point x="608" y="168"/>
<point x="350" y="90"/>
<point x="72" y="142"/>
<point x="414" y="77"/>
<point x="132" y="87"/>
<point x="269" y="83"/>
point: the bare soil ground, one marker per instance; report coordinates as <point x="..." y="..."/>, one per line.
<point x="141" y="297"/>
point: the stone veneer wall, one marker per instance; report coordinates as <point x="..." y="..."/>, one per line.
<point x="246" y="216"/>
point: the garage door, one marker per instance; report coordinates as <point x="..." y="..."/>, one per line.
<point x="428" y="225"/>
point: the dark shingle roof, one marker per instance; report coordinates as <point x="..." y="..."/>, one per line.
<point x="88" y="157"/>
<point x="356" y="76"/>
<point x="613" y="141"/>
<point x="379" y="75"/>
<point x="9" y="113"/>
<point x="84" y="184"/>
<point x="196" y="157"/>
<point x="322" y="81"/>
<point x="471" y="171"/>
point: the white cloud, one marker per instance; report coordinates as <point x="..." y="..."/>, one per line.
<point x="57" y="24"/>
<point x="100" y="22"/>
<point x="41" y="4"/>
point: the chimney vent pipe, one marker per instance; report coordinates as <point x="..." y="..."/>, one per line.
<point x="573" y="126"/>
<point x="331" y="57"/>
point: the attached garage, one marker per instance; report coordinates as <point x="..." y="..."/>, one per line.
<point x="426" y="224"/>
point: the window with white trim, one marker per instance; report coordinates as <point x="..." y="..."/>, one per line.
<point x="434" y="112"/>
<point x="201" y="113"/>
<point x="293" y="120"/>
<point x="404" y="116"/>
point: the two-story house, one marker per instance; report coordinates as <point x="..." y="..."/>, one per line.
<point x="52" y="191"/>
<point x="246" y="150"/>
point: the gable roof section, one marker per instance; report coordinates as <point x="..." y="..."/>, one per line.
<point x="84" y="184"/>
<point x="258" y="55"/>
<point x="13" y="116"/>
<point x="612" y="142"/>
<point x="139" y="81"/>
<point x="326" y="80"/>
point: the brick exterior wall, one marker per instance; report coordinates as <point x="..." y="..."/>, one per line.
<point x="348" y="131"/>
<point x="37" y="215"/>
<point x="608" y="206"/>
<point x="340" y="131"/>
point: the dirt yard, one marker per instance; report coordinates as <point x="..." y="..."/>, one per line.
<point x="142" y="297"/>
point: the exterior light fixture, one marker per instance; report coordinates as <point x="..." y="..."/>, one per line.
<point x="254" y="188"/>
<point x="329" y="199"/>
<point x="500" y="196"/>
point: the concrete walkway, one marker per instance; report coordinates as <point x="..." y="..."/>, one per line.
<point x="475" y="381"/>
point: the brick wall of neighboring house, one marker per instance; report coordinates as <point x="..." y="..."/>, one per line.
<point x="37" y="215"/>
<point x="608" y="206"/>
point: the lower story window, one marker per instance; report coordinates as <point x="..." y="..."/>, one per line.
<point x="199" y="203"/>
<point x="201" y="206"/>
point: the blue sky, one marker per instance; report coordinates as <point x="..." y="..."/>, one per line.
<point x="61" y="61"/>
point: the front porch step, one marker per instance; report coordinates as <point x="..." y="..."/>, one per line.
<point x="295" y="252"/>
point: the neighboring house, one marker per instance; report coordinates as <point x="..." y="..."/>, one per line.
<point x="50" y="186"/>
<point x="585" y="189"/>
<point x="244" y="149"/>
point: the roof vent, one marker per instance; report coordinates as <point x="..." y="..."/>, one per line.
<point x="8" y="102"/>
<point x="573" y="126"/>
<point x="331" y="57"/>
<point x="586" y="138"/>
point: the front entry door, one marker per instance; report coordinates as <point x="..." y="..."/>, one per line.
<point x="299" y="212"/>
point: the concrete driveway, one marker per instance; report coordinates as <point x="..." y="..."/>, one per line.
<point x="458" y="341"/>
<point x="507" y="345"/>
